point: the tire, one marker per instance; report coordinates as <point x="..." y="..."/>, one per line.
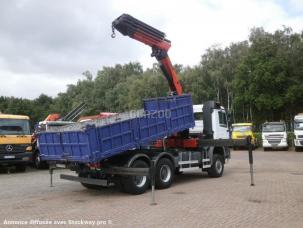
<point x="37" y="161"/>
<point x="89" y="186"/>
<point x="265" y="149"/>
<point x="164" y="173"/>
<point x="135" y="184"/>
<point x="20" y="168"/>
<point x="217" y="167"/>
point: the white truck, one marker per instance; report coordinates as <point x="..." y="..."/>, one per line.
<point x="298" y="131"/>
<point x="274" y="135"/>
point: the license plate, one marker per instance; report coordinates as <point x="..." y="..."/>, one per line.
<point x="9" y="156"/>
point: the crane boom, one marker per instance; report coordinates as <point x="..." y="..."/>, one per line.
<point x="138" y="30"/>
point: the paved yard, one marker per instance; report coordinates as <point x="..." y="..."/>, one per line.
<point x="193" y="201"/>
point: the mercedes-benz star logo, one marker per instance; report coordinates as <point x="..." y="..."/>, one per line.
<point x="9" y="148"/>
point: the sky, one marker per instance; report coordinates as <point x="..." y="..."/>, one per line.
<point x="45" y="45"/>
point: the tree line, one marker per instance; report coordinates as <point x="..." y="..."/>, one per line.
<point x="259" y="79"/>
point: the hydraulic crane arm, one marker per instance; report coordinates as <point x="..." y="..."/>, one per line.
<point x="138" y="30"/>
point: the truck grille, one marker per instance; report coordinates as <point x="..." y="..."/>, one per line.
<point x="274" y="139"/>
<point x="241" y="137"/>
<point x="300" y="136"/>
<point x="12" y="148"/>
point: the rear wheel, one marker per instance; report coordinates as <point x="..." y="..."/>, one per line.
<point x="135" y="184"/>
<point x="164" y="173"/>
<point x="217" y="168"/>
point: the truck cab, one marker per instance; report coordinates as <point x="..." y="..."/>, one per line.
<point x="15" y="141"/>
<point x="218" y="120"/>
<point x="242" y="130"/>
<point x="298" y="132"/>
<point x="274" y="135"/>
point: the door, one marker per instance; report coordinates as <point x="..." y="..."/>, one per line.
<point x="220" y="125"/>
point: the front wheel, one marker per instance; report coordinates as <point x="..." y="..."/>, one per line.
<point x="164" y="173"/>
<point x="20" y="168"/>
<point x="37" y="161"/>
<point x="135" y="184"/>
<point x="217" y="168"/>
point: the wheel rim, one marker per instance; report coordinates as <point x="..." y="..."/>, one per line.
<point x="165" y="173"/>
<point x="219" y="166"/>
<point x="140" y="181"/>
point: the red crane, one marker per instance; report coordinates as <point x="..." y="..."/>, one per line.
<point x="138" y="30"/>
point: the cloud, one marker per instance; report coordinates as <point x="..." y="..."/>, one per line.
<point x="47" y="44"/>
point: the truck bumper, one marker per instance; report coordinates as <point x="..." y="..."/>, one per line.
<point x="282" y="144"/>
<point x="298" y="143"/>
<point x="13" y="159"/>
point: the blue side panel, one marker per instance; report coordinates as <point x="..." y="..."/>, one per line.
<point x="115" y="138"/>
<point x="163" y="117"/>
<point x="178" y="111"/>
<point x="50" y="146"/>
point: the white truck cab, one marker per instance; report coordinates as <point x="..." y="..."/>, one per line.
<point x="298" y="131"/>
<point x="218" y="121"/>
<point x="274" y="135"/>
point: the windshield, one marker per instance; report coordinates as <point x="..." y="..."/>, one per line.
<point x="273" y="128"/>
<point x="242" y="128"/>
<point x="298" y="124"/>
<point x="14" y="127"/>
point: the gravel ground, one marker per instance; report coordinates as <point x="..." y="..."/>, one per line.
<point x="194" y="200"/>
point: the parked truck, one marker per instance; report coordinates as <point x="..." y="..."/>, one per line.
<point x="15" y="141"/>
<point x="274" y="135"/>
<point x="298" y="132"/>
<point x="165" y="133"/>
<point x="242" y="130"/>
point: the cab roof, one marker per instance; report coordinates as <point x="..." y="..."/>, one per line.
<point x="242" y="124"/>
<point x="16" y="117"/>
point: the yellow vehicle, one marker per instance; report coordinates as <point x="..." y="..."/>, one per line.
<point x="15" y="141"/>
<point x="242" y="130"/>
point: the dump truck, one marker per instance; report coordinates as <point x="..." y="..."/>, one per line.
<point x="15" y="141"/>
<point x="164" y="134"/>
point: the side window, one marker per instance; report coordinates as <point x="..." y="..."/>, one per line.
<point x="198" y="115"/>
<point x="222" y="119"/>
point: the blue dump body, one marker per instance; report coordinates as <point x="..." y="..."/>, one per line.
<point x="161" y="117"/>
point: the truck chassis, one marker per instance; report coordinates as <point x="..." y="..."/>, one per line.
<point x="135" y="171"/>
